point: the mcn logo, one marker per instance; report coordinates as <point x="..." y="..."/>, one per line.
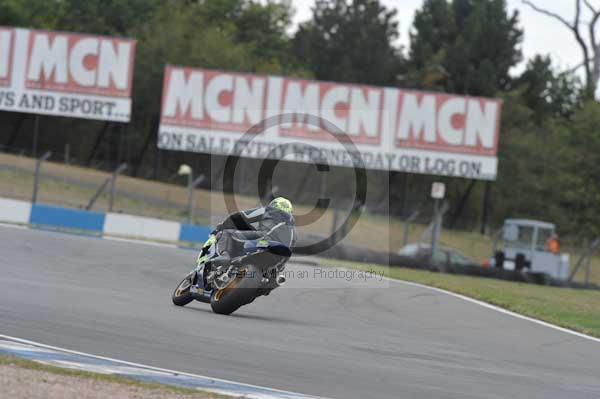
<point x="230" y="102"/>
<point x="456" y="124"/>
<point x="6" y="45"/>
<point x="77" y="63"/>
<point x="66" y="74"/>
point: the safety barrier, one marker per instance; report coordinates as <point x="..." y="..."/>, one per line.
<point x="136" y="226"/>
<point x="191" y="233"/>
<point x="98" y="223"/>
<point x="65" y="218"/>
<point x="13" y="211"/>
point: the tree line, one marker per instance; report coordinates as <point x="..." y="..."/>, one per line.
<point x="549" y="155"/>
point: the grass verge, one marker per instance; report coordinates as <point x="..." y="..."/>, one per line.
<point x="106" y="378"/>
<point x="575" y="309"/>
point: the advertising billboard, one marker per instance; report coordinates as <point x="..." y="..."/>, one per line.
<point x="65" y="74"/>
<point x="258" y="116"/>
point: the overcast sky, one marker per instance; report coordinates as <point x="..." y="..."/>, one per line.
<point x="542" y="34"/>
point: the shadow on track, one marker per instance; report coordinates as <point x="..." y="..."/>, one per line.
<point x="238" y="316"/>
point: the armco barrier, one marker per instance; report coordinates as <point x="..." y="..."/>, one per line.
<point x="53" y="217"/>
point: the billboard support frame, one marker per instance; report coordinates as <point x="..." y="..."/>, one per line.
<point x="461" y="203"/>
<point x="97" y="142"/>
<point x="36" y="176"/>
<point x="485" y="207"/>
<point x="151" y="135"/>
<point x="16" y="129"/>
<point x="36" y="132"/>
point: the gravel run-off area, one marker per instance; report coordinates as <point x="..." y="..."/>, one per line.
<point x="20" y="382"/>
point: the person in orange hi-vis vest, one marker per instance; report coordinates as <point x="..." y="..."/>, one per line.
<point x="552" y="244"/>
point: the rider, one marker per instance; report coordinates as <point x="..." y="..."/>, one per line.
<point x="274" y="221"/>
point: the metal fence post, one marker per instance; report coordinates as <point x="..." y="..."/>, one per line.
<point x="435" y="228"/>
<point x="407" y="223"/>
<point x="438" y="192"/>
<point x="97" y="194"/>
<point x="36" y="131"/>
<point x="190" y="177"/>
<point x="587" y="252"/>
<point x="36" y="176"/>
<point x="117" y="171"/>
<point x="192" y="184"/>
<point x="588" y="270"/>
<point x="186" y="170"/>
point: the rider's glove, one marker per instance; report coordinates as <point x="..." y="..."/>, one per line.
<point x="218" y="228"/>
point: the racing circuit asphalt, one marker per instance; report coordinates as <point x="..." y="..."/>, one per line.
<point x="357" y="340"/>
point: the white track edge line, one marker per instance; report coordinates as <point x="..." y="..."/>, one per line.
<point x="140" y="241"/>
<point x="498" y="309"/>
<point x="59" y="349"/>
<point x="15" y="226"/>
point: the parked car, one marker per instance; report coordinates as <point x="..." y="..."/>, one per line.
<point x="444" y="258"/>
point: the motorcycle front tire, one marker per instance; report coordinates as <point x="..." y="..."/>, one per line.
<point x="182" y="295"/>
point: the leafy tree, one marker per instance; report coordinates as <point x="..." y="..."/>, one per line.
<point x="31" y="13"/>
<point x="584" y="29"/>
<point x="434" y="28"/>
<point x="547" y="92"/>
<point x="465" y="46"/>
<point x="582" y="142"/>
<point x="262" y="26"/>
<point x="106" y="17"/>
<point x="103" y="17"/>
<point x="553" y="176"/>
<point x="351" y="42"/>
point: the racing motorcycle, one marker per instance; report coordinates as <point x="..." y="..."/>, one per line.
<point x="231" y="284"/>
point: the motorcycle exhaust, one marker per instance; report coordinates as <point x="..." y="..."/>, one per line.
<point x="200" y="294"/>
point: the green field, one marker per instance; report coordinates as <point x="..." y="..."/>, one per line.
<point x="575" y="309"/>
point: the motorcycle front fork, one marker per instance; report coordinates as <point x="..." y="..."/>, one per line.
<point x="197" y="289"/>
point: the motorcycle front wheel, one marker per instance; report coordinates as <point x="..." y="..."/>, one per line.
<point x="182" y="295"/>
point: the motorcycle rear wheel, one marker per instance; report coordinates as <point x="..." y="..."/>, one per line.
<point x="241" y="291"/>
